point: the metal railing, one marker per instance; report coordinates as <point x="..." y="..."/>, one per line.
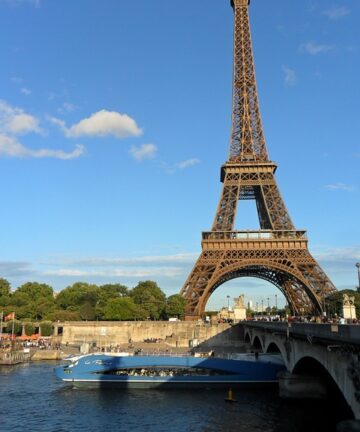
<point x="255" y="235"/>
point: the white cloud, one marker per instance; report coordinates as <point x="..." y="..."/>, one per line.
<point x="23" y="123"/>
<point x="129" y="267"/>
<point x="336" y="12"/>
<point x="14" y="269"/>
<point x="129" y="273"/>
<point x="347" y="254"/>
<point x="102" y="123"/>
<point x="290" y="77"/>
<point x="67" y="107"/>
<point x="145" y="151"/>
<point x="17" y="80"/>
<point x="144" y="260"/>
<point x="340" y="187"/>
<point x="10" y="146"/>
<point x="314" y="49"/>
<point x="25" y="91"/>
<point x="187" y="163"/>
<point x="173" y="168"/>
<point x="15" y="121"/>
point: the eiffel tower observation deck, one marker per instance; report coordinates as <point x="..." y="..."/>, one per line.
<point x="277" y="252"/>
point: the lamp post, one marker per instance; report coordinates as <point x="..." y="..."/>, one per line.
<point x="276" y="302"/>
<point x="262" y="307"/>
<point x="228" y="297"/>
<point x="358" y="268"/>
<point x="268" y="308"/>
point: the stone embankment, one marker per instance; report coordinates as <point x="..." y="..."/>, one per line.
<point x="48" y="354"/>
<point x="180" y="334"/>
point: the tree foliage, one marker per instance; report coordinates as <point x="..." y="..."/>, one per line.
<point x="78" y="294"/>
<point x="5" y="288"/>
<point x="175" y="306"/>
<point x="149" y="296"/>
<point x="46" y="328"/>
<point x="34" y="302"/>
<point x="123" y="309"/>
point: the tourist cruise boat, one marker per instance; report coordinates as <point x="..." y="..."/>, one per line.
<point x="166" y="371"/>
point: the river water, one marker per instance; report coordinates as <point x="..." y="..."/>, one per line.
<point x="32" y="399"/>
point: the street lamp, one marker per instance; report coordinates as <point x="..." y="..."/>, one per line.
<point x="358" y="267"/>
<point x="262" y="307"/>
<point x="228" y="297"/>
<point x="276" y="302"/>
<point x="268" y="308"/>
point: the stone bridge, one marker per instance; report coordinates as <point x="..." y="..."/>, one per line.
<point x="320" y="358"/>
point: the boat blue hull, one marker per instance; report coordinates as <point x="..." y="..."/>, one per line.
<point x="95" y="371"/>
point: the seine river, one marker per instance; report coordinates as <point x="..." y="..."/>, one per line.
<point x="32" y="399"/>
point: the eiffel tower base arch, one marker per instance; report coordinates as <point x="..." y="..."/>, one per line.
<point x="281" y="258"/>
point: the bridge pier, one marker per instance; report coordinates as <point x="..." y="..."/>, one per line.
<point x="292" y="386"/>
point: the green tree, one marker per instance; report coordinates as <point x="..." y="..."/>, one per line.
<point x="123" y="309"/>
<point x="29" y="329"/>
<point x="114" y="291"/>
<point x="36" y="291"/>
<point x="63" y="315"/>
<point x="175" y="306"/>
<point x="16" y="325"/>
<point x="87" y="312"/>
<point x="149" y="296"/>
<point x="5" y="293"/>
<point x="78" y="294"/>
<point x="107" y="292"/>
<point x="33" y="300"/>
<point x="46" y="328"/>
<point x="5" y="288"/>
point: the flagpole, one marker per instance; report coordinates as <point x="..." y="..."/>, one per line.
<point x="13" y="327"/>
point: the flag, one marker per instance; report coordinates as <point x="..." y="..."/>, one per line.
<point x="10" y="316"/>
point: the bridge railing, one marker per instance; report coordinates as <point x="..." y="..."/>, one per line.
<point x="327" y="333"/>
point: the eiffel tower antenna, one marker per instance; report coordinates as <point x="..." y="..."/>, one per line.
<point x="277" y="252"/>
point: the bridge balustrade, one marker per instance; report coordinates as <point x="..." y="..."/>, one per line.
<point x="322" y="333"/>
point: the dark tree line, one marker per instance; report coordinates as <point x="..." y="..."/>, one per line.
<point x="35" y="301"/>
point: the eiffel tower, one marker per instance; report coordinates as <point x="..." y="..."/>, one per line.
<point x="277" y="252"/>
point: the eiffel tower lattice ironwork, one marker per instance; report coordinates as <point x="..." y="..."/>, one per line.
<point x="277" y="252"/>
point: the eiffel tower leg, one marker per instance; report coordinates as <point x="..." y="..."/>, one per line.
<point x="195" y="286"/>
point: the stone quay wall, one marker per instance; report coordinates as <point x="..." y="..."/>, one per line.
<point x="177" y="334"/>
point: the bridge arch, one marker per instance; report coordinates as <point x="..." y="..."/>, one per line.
<point x="282" y="273"/>
<point x="311" y="351"/>
<point x="312" y="366"/>
<point x="256" y="343"/>
<point x="272" y="348"/>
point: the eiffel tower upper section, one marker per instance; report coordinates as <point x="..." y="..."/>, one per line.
<point x="248" y="173"/>
<point x="247" y="142"/>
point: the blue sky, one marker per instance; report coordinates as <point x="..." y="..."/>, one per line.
<point x="115" y="120"/>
